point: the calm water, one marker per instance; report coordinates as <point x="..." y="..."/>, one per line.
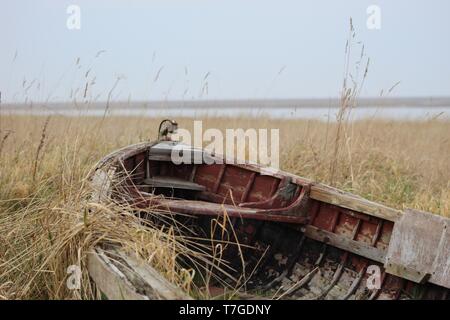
<point x="326" y="114"/>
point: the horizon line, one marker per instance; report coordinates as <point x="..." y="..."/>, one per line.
<point x="419" y="100"/>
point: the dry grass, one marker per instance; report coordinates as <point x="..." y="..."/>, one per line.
<point x="48" y="223"/>
<point x="44" y="221"/>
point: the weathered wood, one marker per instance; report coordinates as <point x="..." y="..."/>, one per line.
<point x="109" y="280"/>
<point x="219" y="178"/>
<point x="407" y="272"/>
<point x="163" y="288"/>
<point x="419" y="248"/>
<point x="101" y="184"/>
<point x="337" y="275"/>
<point x="121" y="276"/>
<point x="172" y="182"/>
<point x="347" y="200"/>
<point x="321" y="192"/>
<point x="195" y="207"/>
<point x="355" y="283"/>
<point x="344" y="243"/>
<point x="441" y="264"/>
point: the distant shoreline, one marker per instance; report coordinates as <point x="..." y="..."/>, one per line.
<point x="410" y="102"/>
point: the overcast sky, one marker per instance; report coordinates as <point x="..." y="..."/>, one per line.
<point x="218" y="49"/>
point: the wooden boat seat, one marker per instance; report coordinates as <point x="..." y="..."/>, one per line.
<point x="293" y="213"/>
<point x="171" y="183"/>
<point x="196" y="207"/>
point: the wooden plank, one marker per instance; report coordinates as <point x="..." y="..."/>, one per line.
<point x="441" y="265"/>
<point x="101" y="184"/>
<point x="407" y="273"/>
<point x="420" y="248"/>
<point x="248" y="187"/>
<point x="193" y="172"/>
<point x="160" y="157"/>
<point x="171" y="182"/>
<point x="163" y="288"/>
<point x="219" y="178"/>
<point x="341" y="242"/>
<point x="121" y="276"/>
<point x="347" y="200"/>
<point x="109" y="280"/>
<point x="377" y="234"/>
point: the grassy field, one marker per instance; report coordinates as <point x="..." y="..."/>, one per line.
<point x="44" y="163"/>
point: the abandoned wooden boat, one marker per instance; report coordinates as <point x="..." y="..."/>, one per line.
<point x="292" y="238"/>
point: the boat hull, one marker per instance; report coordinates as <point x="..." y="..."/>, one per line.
<point x="286" y="236"/>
